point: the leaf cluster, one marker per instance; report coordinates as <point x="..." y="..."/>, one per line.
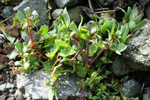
<point x="59" y="50"/>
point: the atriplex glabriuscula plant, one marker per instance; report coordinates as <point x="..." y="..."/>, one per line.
<point x="58" y="50"/>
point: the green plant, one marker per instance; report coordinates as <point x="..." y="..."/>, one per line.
<point x="57" y="50"/>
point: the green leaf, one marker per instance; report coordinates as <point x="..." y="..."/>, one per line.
<point x="27" y="11"/>
<point x="60" y="43"/>
<point x="138" y="18"/>
<point x="83" y="33"/>
<point x="119" y="48"/>
<point x="82" y="71"/>
<point x="48" y="65"/>
<point x="43" y="30"/>
<point x="92" y="49"/>
<point x="67" y="51"/>
<point x="65" y="17"/>
<point x="11" y="39"/>
<point x="134" y="13"/>
<point x="103" y="28"/>
<point x="46" y="1"/>
<point x="13" y="54"/>
<point x="35" y="18"/>
<point x="51" y="94"/>
<point x="52" y="52"/>
<point x="73" y="27"/>
<point x="26" y="65"/>
<point x="19" y="46"/>
<point x="132" y="25"/>
<point x="125" y="33"/>
<point x="139" y="25"/>
<point x="21" y="17"/>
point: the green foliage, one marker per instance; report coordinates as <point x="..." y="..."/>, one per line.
<point x="57" y="50"/>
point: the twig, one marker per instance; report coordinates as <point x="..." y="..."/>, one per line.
<point x="7" y="18"/>
<point x="4" y="16"/>
<point x="90" y="5"/>
<point x="99" y="4"/>
<point x="105" y="11"/>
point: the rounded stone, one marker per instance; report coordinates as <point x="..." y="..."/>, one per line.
<point x="131" y="88"/>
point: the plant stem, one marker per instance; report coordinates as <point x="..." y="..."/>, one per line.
<point x="105" y="48"/>
<point x="82" y="53"/>
<point x="31" y="39"/>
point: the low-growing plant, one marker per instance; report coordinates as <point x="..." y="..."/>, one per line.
<point x="59" y="50"/>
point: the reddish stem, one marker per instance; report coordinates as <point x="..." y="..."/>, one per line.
<point x="32" y="42"/>
<point x="82" y="52"/>
<point x="105" y="48"/>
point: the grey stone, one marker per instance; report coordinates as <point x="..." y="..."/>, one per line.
<point x="120" y="67"/>
<point x="8" y="11"/>
<point x="131" y="88"/>
<point x="2" y="66"/>
<point x="147" y="10"/>
<point x="39" y="5"/>
<point x="34" y="84"/>
<point x="66" y="3"/>
<point x="67" y="87"/>
<point x="143" y="2"/>
<point x="2" y="97"/>
<point x="26" y="38"/>
<point x="11" y="98"/>
<point x="19" y="95"/>
<point x="146" y="95"/>
<point x="56" y="13"/>
<point x="75" y="14"/>
<point x="137" y="54"/>
<point x="105" y="2"/>
<point x="6" y="86"/>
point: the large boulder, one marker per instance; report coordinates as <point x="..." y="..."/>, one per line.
<point x="34" y="84"/>
<point x="39" y="5"/>
<point x="66" y="3"/>
<point x="68" y="88"/>
<point x="137" y="54"/>
<point x="8" y="11"/>
<point x="120" y="67"/>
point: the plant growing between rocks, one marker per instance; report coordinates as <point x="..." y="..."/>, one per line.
<point x="69" y="48"/>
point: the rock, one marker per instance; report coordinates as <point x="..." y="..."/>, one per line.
<point x="2" y="97"/>
<point x="11" y="98"/>
<point x="147" y="10"/>
<point x="143" y="2"/>
<point x="131" y="88"/>
<point x="137" y="54"/>
<point x="2" y="41"/>
<point x="75" y="14"/>
<point x="67" y="87"/>
<point x="12" y="31"/>
<point x="19" y="95"/>
<point x="56" y="13"/>
<point x="7" y="48"/>
<point x="105" y="2"/>
<point x="66" y="3"/>
<point x="6" y="86"/>
<point x="8" y="11"/>
<point x="3" y="58"/>
<point x="26" y="38"/>
<point x="34" y="84"/>
<point x="146" y="95"/>
<point x="120" y="67"/>
<point x="39" y="5"/>
<point x="2" y="66"/>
